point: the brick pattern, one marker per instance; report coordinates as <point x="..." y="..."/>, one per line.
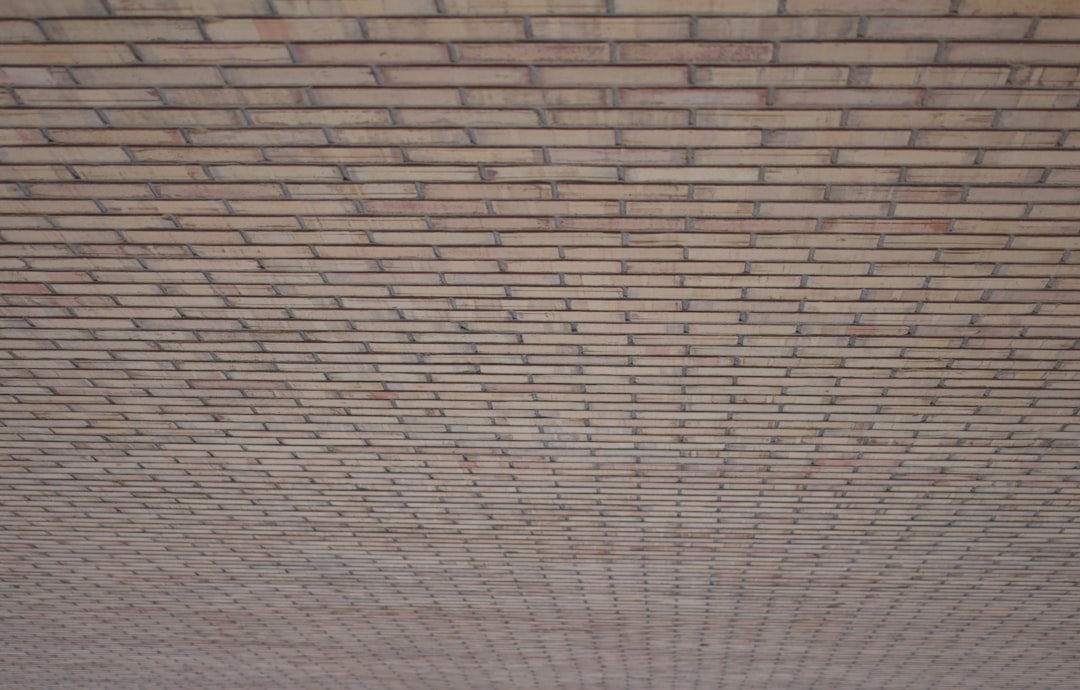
<point x="539" y="344"/>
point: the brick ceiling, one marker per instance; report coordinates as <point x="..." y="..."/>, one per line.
<point x="539" y="344"/>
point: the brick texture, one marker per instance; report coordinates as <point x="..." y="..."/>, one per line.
<point x="539" y="344"/>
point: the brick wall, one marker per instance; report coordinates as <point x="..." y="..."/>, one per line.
<point x="539" y="344"/>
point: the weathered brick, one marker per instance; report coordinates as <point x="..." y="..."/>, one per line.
<point x="213" y="52"/>
<point x="479" y="315"/>
<point x="112" y="29"/>
<point x="370" y="53"/>
<point x="282" y="29"/>
<point x="611" y="75"/>
<point x="858" y="52"/>
<point x="609" y="28"/>
<point x="669" y="51"/>
<point x="435" y="76"/>
<point x="777" y="28"/>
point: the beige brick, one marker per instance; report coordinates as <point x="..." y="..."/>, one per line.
<point x="1033" y="7"/>
<point x="214" y="52"/>
<point x="930" y="76"/>
<point x="612" y="75"/>
<point x="370" y="53"/>
<point x="771" y="76"/>
<point x="712" y="51"/>
<point x="555" y="98"/>
<point x="157" y="75"/>
<point x="53" y="8"/>
<point x="298" y="76"/>
<point x="856" y="98"/>
<point x="858" y="52"/>
<point x="385" y="96"/>
<point x="436" y="76"/>
<point x="65" y="54"/>
<point x="446" y="28"/>
<point x="777" y="28"/>
<point x="695" y="7"/>
<point x="525" y="7"/>
<point x="610" y="28"/>
<point x="705" y="98"/>
<point x="112" y="29"/>
<point x="282" y="29"/>
<point x="1007" y="53"/>
<point x="951" y="28"/>
<point x="19" y="31"/>
<point x="353" y="8"/>
<point x="532" y="52"/>
<point x="35" y="76"/>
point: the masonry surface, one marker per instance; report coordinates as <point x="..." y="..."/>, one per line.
<point x="539" y="344"/>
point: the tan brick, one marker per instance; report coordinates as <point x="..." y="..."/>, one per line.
<point x="353" y="8"/>
<point x="35" y="76"/>
<point x="689" y="137"/>
<point x="951" y="28"/>
<point x="771" y="76"/>
<point x="1057" y="29"/>
<point x="473" y="154"/>
<point x="487" y="191"/>
<point x="213" y="52"/>
<point x="930" y="76"/>
<point x="474" y="117"/>
<point x="526" y="7"/>
<point x="1034" y="7"/>
<point x="832" y="175"/>
<point x="619" y="156"/>
<point x="695" y="7"/>
<point x="865" y="98"/>
<point x="971" y="175"/>
<point x="712" y="51"/>
<point x="769" y="119"/>
<point x="553" y="98"/>
<point x="858" y="52"/>
<point x="612" y="75"/>
<point x="298" y="76"/>
<point x="89" y="97"/>
<point x="141" y="172"/>
<point x="436" y="76"/>
<point x="370" y="53"/>
<point x="610" y="28"/>
<point x="19" y="31"/>
<point x="322" y="117"/>
<point x="282" y="29"/>
<point x="1047" y="76"/>
<point x="167" y="154"/>
<point x="981" y="139"/>
<point x="235" y="97"/>
<point x="102" y="30"/>
<point x="921" y="119"/>
<point x="53" y="8"/>
<point x="386" y="96"/>
<point x="1008" y="53"/>
<point x="65" y="54"/>
<point x="550" y="172"/>
<point x="777" y="28"/>
<point x="705" y="98"/>
<point x="188" y="75"/>
<point x="693" y="175"/>
<point x="403" y="136"/>
<point x="532" y="52"/>
<point x="762" y="156"/>
<point x="445" y="28"/>
<point x="621" y="117"/>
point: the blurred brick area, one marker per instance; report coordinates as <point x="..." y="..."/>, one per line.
<point x="539" y="344"/>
